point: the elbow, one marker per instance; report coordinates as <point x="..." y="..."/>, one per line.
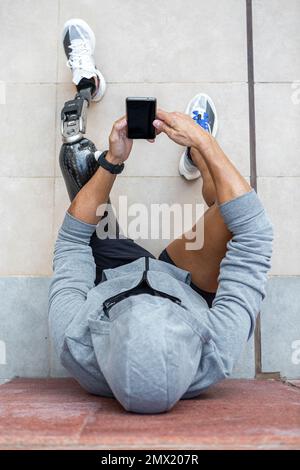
<point x="269" y="238"/>
<point x="267" y="225"/>
<point x="263" y="237"/>
<point x="264" y="226"/>
<point x="270" y="229"/>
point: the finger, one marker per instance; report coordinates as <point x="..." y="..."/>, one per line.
<point x="165" y="116"/>
<point x="162" y="127"/>
<point x="157" y="131"/>
<point x="151" y="140"/>
<point x="120" y="123"/>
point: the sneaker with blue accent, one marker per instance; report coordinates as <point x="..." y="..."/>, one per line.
<point x="202" y="110"/>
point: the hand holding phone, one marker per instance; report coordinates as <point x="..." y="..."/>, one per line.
<point x="140" y="114"/>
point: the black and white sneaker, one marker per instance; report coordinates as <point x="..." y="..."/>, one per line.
<point x="202" y="109"/>
<point x="79" y="45"/>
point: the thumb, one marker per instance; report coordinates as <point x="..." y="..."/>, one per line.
<point x="162" y="127"/>
<point x="120" y="124"/>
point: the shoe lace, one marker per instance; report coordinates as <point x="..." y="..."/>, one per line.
<point x="202" y="120"/>
<point x="80" y="56"/>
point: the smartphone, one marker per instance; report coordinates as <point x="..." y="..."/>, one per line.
<point x="140" y="114"/>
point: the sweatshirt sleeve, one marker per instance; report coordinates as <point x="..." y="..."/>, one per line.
<point x="243" y="276"/>
<point x="73" y="277"/>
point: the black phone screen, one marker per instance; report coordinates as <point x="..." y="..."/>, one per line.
<point x="140" y="116"/>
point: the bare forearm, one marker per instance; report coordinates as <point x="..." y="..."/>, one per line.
<point x="94" y="193"/>
<point x="228" y="181"/>
<point x="184" y="131"/>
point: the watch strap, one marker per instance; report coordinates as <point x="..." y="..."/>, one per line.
<point x="114" y="169"/>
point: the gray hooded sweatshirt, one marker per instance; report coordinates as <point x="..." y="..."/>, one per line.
<point x="151" y="351"/>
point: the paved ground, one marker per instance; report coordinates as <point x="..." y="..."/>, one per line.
<point x="238" y="414"/>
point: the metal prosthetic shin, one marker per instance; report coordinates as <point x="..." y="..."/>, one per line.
<point x="78" y="164"/>
<point x="77" y="155"/>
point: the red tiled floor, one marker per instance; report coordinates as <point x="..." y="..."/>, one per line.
<point x="295" y="383"/>
<point x="239" y="414"/>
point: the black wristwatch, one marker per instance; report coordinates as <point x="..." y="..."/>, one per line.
<point x="114" y="169"/>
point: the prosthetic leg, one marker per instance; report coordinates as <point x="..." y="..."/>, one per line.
<point x="77" y="155"/>
<point x="78" y="163"/>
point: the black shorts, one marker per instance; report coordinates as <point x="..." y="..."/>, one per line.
<point x="112" y="253"/>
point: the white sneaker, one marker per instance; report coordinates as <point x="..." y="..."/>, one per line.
<point x="202" y="109"/>
<point x="79" y="45"/>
